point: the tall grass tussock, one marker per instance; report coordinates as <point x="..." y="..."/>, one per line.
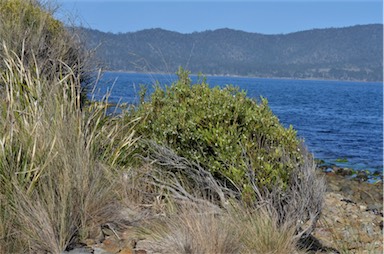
<point x="236" y="230"/>
<point x="56" y="165"/>
<point x="235" y="181"/>
<point x="56" y="158"/>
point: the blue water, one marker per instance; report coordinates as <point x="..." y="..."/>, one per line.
<point x="336" y="119"/>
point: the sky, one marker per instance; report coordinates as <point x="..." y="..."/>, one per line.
<point x="266" y="17"/>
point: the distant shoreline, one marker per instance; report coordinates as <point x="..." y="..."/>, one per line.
<point x="343" y="54"/>
<point x="240" y="76"/>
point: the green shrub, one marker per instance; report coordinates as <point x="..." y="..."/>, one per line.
<point x="233" y="136"/>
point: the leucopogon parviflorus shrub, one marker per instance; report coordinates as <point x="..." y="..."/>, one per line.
<point x="234" y="140"/>
<point x="223" y="130"/>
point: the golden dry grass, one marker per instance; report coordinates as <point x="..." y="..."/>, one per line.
<point x="57" y="159"/>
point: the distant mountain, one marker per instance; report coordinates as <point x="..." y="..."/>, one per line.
<point x="350" y="53"/>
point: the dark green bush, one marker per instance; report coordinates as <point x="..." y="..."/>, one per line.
<point x="233" y="136"/>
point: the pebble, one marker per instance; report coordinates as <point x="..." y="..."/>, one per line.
<point x="363" y="207"/>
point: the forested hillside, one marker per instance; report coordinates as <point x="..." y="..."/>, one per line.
<point x="350" y="53"/>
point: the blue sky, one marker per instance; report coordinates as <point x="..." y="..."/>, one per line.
<point x="267" y="17"/>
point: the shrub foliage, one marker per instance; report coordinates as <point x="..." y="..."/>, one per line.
<point x="236" y="138"/>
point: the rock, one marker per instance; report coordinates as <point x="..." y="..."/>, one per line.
<point x="365" y="196"/>
<point x="348" y="201"/>
<point x="346" y="189"/>
<point x="83" y="250"/>
<point x="111" y="246"/>
<point x="127" y="251"/>
<point x="368" y="228"/>
<point x="90" y="242"/>
<point x="344" y="171"/>
<point x="374" y="207"/>
<point x="109" y="229"/>
<point x="363" y="207"/>
<point x="100" y="251"/>
<point x="319" y="161"/>
<point x="361" y="176"/>
<point x="96" y="234"/>
<point x="332" y="187"/>
<point x="346" y="225"/>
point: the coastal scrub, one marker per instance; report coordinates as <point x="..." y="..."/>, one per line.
<point x="236" y="138"/>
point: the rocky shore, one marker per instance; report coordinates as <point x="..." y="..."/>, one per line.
<point x="352" y="219"/>
<point x="351" y="222"/>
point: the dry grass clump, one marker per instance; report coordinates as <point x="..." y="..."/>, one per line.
<point x="209" y="218"/>
<point x="191" y="229"/>
<point x="299" y="205"/>
<point x="56" y="160"/>
<point x="261" y="233"/>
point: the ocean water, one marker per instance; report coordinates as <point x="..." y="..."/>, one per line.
<point x="337" y="120"/>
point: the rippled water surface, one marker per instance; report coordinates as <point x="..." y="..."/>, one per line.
<point x="336" y="119"/>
